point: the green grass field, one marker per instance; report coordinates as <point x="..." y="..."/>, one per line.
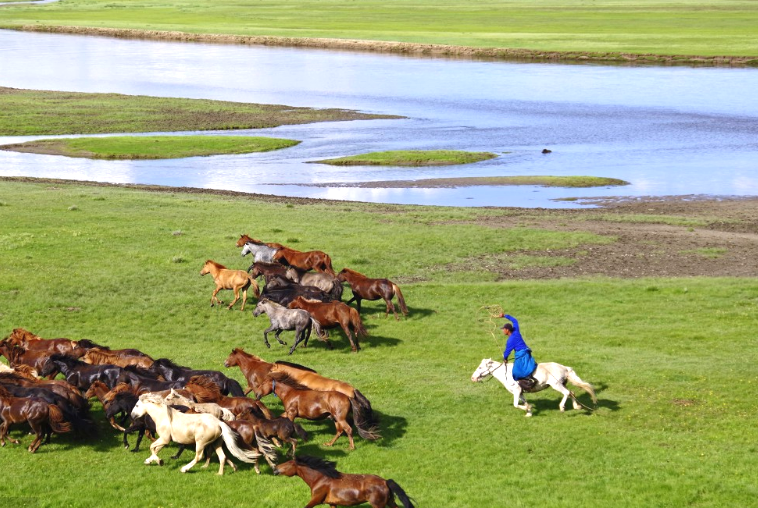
<point x="689" y="27"/>
<point x="411" y="158"/>
<point x="151" y="147"/>
<point x="672" y="359"/>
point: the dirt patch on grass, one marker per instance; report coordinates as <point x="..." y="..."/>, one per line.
<point x="408" y="48"/>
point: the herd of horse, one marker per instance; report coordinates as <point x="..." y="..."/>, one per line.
<point x="302" y="292"/>
<point x="204" y="409"/>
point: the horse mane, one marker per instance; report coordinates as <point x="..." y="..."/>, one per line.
<point x="21" y="335"/>
<point x="88" y="344"/>
<point x="353" y="272"/>
<point x="116" y="391"/>
<point x="64" y="358"/>
<point x="208" y="391"/>
<point x="152" y="397"/>
<point x="97" y="355"/>
<point x="4" y="394"/>
<point x="165" y="362"/>
<point x="142" y="372"/>
<point x="239" y="350"/>
<point x="323" y="466"/>
<point x="26" y="371"/>
<point x="217" y="265"/>
<point x="295" y="366"/>
<point x="284" y="378"/>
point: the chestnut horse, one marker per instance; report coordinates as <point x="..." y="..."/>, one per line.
<point x="314" y="381"/>
<point x="254" y="368"/>
<point x="314" y="405"/>
<point x="120" y="357"/>
<point x="32" y="342"/>
<point x="331" y="315"/>
<point x="203" y="389"/>
<point x="329" y="486"/>
<point x="42" y="417"/>
<point x="365" y="288"/>
<point x="17" y="355"/>
<point x="246" y="239"/>
<point x="310" y="260"/>
<point x="276" y="428"/>
<point x="236" y="280"/>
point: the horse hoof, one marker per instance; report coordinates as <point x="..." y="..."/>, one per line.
<point x="160" y="462"/>
<point x="528" y="415"/>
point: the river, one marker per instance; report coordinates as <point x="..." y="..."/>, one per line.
<point x="667" y="130"/>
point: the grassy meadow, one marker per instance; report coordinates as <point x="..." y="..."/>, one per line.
<point x="411" y="158"/>
<point x="151" y="147"/>
<point x="672" y="359"/>
<point x="686" y="27"/>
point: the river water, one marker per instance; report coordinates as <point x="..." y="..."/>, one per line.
<point x="667" y="130"/>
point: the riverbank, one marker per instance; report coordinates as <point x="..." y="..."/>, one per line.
<point x="675" y="236"/>
<point x="405" y="48"/>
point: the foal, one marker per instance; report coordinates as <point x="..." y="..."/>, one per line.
<point x="236" y="280"/>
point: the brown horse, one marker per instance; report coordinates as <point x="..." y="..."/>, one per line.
<point x="313" y="405"/>
<point x="254" y="368"/>
<point x="329" y="486"/>
<point x="120" y="357"/>
<point x="330" y="315"/>
<point x="205" y="390"/>
<point x="245" y="239"/>
<point x="30" y="341"/>
<point x="101" y="391"/>
<point x="280" y="428"/>
<point x="42" y="417"/>
<point x="365" y="288"/>
<point x="236" y="280"/>
<point x="314" y="381"/>
<point x="17" y="355"/>
<point x="310" y="260"/>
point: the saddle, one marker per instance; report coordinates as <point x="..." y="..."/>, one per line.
<point x="527" y="383"/>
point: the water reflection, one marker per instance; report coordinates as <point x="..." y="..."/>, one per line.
<point x="667" y="130"/>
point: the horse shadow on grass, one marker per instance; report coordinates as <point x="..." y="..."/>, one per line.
<point x="378" y="312"/>
<point x="548" y="405"/>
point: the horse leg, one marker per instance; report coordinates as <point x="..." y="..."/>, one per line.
<point x="154" y="449"/>
<point x="179" y="451"/>
<point x="391" y="306"/>
<point x="353" y="343"/>
<point x="518" y="398"/>
<point x="199" y="448"/>
<point x="244" y="299"/>
<point x="276" y="335"/>
<point x="213" y="296"/>
<point x="236" y="297"/>
<point x="265" y="335"/>
<point x="39" y="435"/>
<point x="566" y="394"/>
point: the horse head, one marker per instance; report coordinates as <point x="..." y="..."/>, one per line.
<point x="485" y="369"/>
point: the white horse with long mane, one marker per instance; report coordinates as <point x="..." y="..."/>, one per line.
<point x="549" y="374"/>
<point x="200" y="429"/>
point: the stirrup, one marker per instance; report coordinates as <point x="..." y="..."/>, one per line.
<point x="527" y="383"/>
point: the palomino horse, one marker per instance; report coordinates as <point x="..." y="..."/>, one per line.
<point x="236" y="280"/>
<point x="262" y="253"/>
<point x="373" y="289"/>
<point x="42" y="417"/>
<point x="310" y="260"/>
<point x="281" y="319"/>
<point x="329" y="486"/>
<point x="331" y="315"/>
<point x="307" y="377"/>
<point x="243" y="239"/>
<point x="301" y="402"/>
<point x="198" y="429"/>
<point x="550" y="374"/>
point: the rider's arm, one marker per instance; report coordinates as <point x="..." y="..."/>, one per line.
<point x="512" y="320"/>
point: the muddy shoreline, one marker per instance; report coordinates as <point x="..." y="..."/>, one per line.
<point x="671" y="236"/>
<point x="406" y="48"/>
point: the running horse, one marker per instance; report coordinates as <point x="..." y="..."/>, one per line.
<point x="198" y="429"/>
<point x="243" y="239"/>
<point x="236" y="280"/>
<point x="331" y="315"/>
<point x="261" y="252"/>
<point x="329" y="486"/>
<point x="42" y="417"/>
<point x="281" y="319"/>
<point x="254" y="368"/>
<point x="310" y="260"/>
<point x="547" y="374"/>
<point x="365" y="288"/>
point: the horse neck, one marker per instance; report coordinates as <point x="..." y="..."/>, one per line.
<point x="501" y="372"/>
<point x="309" y="476"/>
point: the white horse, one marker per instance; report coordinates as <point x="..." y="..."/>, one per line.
<point x="201" y="429"/>
<point x="550" y="374"/>
<point x="261" y="253"/>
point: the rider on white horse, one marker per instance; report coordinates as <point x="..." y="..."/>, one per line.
<point x="523" y="363"/>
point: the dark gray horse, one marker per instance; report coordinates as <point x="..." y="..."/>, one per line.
<point x="282" y="319"/>
<point x="322" y="280"/>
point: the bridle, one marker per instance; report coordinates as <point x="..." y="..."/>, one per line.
<point x="489" y="370"/>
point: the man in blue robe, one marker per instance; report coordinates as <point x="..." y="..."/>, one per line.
<point x="523" y="363"/>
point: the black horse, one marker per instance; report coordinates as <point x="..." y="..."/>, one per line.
<point x="284" y="291"/>
<point x="79" y="419"/>
<point x="80" y="374"/>
<point x="176" y="373"/>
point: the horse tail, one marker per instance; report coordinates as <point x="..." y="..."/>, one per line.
<point x="56" y="420"/>
<point x="230" y="440"/>
<point x="400" y="493"/>
<point x="365" y="422"/>
<point x="355" y="320"/>
<point x="235" y="389"/>
<point x="328" y="265"/>
<point x="266" y="447"/>
<point x="363" y="406"/>
<point x="227" y="415"/>
<point x="400" y="299"/>
<point x="575" y="380"/>
<point x="254" y="285"/>
<point x="300" y="431"/>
